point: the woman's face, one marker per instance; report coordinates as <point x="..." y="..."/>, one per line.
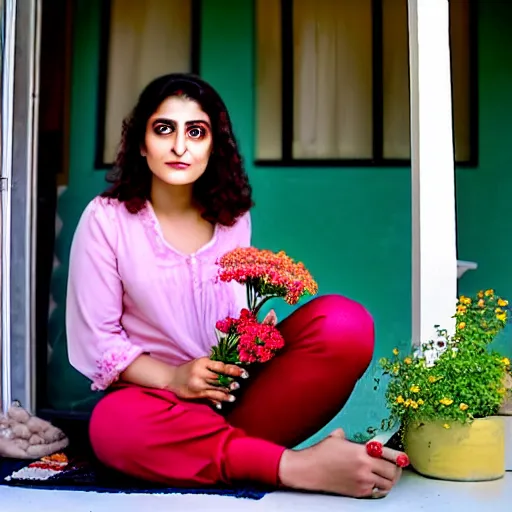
<point x="178" y="141"/>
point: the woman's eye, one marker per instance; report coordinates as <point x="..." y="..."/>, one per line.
<point x="163" y="129"/>
<point x="196" y="132"/>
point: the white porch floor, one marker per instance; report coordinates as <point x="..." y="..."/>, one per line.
<point x="413" y="493"/>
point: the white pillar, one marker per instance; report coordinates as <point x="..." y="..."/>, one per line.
<point x="434" y="254"/>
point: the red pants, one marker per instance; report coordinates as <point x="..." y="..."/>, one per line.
<point x="153" y="435"/>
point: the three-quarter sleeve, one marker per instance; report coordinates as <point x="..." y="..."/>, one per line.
<point x="98" y="346"/>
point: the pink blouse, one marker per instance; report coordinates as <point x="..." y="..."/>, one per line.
<point x="130" y="292"/>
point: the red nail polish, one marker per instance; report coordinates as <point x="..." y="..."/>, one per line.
<point x="402" y="461"/>
<point x="374" y="449"/>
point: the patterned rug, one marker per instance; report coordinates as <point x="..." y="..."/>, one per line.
<point x="59" y="473"/>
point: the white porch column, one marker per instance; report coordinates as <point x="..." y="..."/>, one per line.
<point x="434" y="255"/>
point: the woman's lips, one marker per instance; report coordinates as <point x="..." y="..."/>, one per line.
<point x="177" y="165"/>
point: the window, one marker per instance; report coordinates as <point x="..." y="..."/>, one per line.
<point x="141" y="40"/>
<point x="332" y="82"/>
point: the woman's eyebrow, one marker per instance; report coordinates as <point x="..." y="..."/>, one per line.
<point x="165" y="120"/>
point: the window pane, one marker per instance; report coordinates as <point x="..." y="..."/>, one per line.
<point x="332" y="79"/>
<point x="461" y="77"/>
<point x="395" y="67"/>
<point x="148" y="38"/>
<point x="268" y="80"/>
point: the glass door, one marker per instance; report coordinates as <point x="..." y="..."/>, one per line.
<point x="7" y="43"/>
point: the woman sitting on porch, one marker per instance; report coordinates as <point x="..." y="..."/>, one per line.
<point x="142" y="303"/>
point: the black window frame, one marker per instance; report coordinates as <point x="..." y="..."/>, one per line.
<point x="378" y="159"/>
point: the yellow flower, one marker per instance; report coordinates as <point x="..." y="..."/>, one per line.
<point x="408" y="360"/>
<point x="502" y="317"/>
<point x="481" y="294"/>
<point x="400" y="399"/>
<point x="414" y="404"/>
<point x="461" y="325"/>
<point x="481" y="303"/>
<point x="506" y="361"/>
<point x="498" y="310"/>
<point x="415" y="389"/>
<point x="446" y="426"/>
<point x="420" y="402"/>
<point x="396" y="369"/>
<point x="395" y="351"/>
<point x="465" y="300"/>
<point x="503" y="303"/>
<point x="433" y="379"/>
<point x="461" y="309"/>
<point x="502" y="391"/>
<point x="446" y="401"/>
<point x="489" y="292"/>
<point x="463" y="407"/>
<point x="407" y="403"/>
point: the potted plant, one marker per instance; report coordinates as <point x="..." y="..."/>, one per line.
<point x="447" y="395"/>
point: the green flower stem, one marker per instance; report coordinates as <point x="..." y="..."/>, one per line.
<point x="265" y="299"/>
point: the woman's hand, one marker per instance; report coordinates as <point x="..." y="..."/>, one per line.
<point x="198" y="380"/>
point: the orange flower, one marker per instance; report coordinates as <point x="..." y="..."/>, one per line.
<point x="270" y="273"/>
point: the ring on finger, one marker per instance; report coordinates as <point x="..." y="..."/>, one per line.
<point x="378" y="493"/>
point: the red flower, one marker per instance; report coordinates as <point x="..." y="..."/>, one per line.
<point x="224" y="326"/>
<point x="258" y="343"/>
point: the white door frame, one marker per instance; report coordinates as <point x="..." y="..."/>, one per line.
<point x="20" y="77"/>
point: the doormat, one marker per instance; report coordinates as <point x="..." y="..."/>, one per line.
<point x="58" y="473"/>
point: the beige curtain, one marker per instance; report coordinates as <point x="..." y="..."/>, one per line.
<point x="332" y="79"/>
<point x="268" y="80"/>
<point x="395" y="70"/>
<point x="148" y="38"/>
<point x="461" y="79"/>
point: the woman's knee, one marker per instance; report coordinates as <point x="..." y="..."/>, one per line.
<point x="347" y="329"/>
<point x="110" y="439"/>
<point x="120" y="428"/>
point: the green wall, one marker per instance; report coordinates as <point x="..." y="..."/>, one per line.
<point x="350" y="226"/>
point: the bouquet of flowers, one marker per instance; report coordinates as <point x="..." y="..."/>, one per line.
<point x="266" y="275"/>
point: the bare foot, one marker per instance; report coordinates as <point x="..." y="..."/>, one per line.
<point x="338" y="466"/>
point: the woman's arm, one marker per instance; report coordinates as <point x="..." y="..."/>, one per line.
<point x="150" y="372"/>
<point x="98" y="346"/>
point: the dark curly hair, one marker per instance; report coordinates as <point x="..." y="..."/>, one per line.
<point x="223" y="191"/>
